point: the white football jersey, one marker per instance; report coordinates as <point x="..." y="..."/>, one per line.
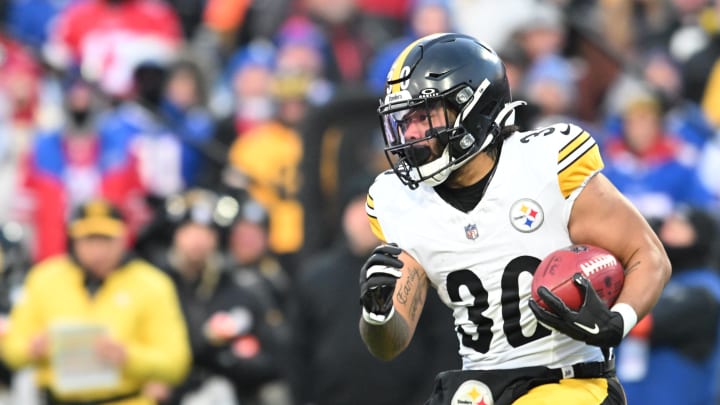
<point x="481" y="262"/>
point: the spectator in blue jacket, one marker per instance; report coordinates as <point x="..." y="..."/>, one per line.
<point x="673" y="353"/>
<point x="652" y="167"/>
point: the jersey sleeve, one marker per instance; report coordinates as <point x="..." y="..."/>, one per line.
<point x="396" y="213"/>
<point x="373" y="219"/>
<point x="383" y="207"/>
<point x="578" y="159"/>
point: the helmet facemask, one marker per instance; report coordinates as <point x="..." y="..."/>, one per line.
<point x="413" y="160"/>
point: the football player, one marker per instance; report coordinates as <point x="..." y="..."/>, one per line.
<point x="470" y="207"/>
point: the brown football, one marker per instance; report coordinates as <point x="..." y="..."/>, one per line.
<point x="556" y="271"/>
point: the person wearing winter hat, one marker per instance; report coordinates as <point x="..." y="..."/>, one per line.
<point x="126" y="309"/>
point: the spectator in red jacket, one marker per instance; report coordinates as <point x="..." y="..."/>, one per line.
<point x="108" y="38"/>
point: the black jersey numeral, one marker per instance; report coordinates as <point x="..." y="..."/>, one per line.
<point x="479" y="339"/>
<point x="543" y="132"/>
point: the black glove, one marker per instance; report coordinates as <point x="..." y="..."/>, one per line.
<point x="593" y="323"/>
<point x="377" y="283"/>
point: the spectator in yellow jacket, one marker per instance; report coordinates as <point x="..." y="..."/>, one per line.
<point x="98" y="285"/>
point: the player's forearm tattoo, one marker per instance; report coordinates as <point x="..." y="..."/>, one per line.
<point x="633" y="261"/>
<point x="632" y="267"/>
<point x="417" y="303"/>
<point x="412" y="280"/>
<point x="412" y="285"/>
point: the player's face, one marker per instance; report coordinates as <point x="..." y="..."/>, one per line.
<point x="416" y="123"/>
<point x="415" y="127"/>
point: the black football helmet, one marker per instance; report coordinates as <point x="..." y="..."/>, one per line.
<point x="466" y="80"/>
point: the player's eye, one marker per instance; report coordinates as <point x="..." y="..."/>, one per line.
<point x="421" y="117"/>
<point x="418" y="118"/>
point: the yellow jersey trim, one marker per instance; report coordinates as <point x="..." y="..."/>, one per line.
<point x="573" y="145"/>
<point x="576" y="162"/>
<point x="374" y="223"/>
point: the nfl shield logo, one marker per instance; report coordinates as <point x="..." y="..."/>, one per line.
<point x="471" y="232"/>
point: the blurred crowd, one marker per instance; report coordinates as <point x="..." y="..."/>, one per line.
<point x="236" y="139"/>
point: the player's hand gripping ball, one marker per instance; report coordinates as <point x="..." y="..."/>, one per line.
<point x="600" y="267"/>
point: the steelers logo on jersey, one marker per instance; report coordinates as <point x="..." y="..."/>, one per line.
<point x="472" y="392"/>
<point x="526" y="215"/>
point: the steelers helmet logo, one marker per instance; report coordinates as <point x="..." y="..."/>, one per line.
<point x="526" y="215"/>
<point x="472" y="392"/>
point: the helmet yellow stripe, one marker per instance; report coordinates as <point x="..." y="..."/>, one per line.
<point x="400" y="60"/>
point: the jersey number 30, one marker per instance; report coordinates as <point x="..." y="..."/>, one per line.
<point x="510" y="301"/>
